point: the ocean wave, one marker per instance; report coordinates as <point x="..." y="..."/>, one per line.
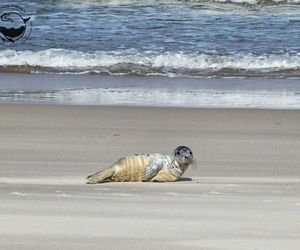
<point x="168" y="64"/>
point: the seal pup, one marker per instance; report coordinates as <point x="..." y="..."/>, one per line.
<point x="146" y="167"/>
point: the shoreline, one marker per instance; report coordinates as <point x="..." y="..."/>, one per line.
<point x="133" y="106"/>
<point x="149" y="91"/>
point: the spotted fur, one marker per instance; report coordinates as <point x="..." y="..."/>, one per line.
<point x="146" y="167"/>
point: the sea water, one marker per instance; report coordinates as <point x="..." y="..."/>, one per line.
<point x="219" y="39"/>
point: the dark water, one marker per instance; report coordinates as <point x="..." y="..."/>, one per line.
<point x="242" y="38"/>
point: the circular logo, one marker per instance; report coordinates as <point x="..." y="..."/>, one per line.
<point x="15" y="25"/>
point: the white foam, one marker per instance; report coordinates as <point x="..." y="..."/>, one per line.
<point x="68" y="60"/>
<point x="179" y="98"/>
<point x="169" y="97"/>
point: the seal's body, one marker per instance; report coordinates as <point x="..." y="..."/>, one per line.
<point x="146" y="167"/>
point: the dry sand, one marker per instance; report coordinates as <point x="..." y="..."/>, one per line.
<point x="244" y="194"/>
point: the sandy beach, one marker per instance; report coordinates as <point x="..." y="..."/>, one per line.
<point x="244" y="193"/>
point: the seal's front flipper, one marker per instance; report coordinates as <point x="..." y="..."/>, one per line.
<point x="151" y="171"/>
<point x="101" y="177"/>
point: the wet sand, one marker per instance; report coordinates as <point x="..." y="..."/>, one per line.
<point x="244" y="193"/>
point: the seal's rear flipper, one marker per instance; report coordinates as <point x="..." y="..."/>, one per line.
<point x="101" y="177"/>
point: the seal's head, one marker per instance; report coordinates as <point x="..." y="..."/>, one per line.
<point x="183" y="154"/>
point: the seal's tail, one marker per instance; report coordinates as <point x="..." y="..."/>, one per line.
<point x="101" y="177"/>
